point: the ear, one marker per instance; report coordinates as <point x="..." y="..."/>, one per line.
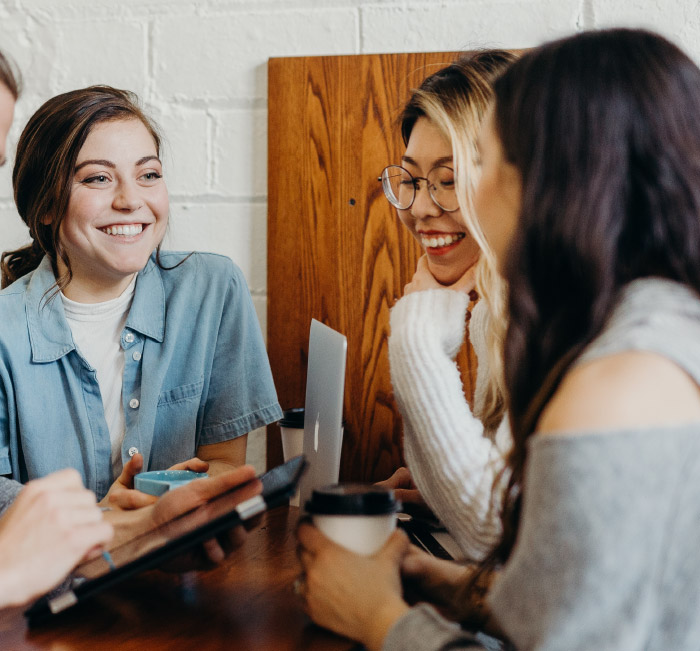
<point x="46" y="220"/>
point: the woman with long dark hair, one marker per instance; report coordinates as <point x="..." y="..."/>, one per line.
<point x="590" y="199"/>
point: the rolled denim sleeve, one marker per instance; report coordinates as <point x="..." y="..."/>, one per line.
<point x="241" y="394"/>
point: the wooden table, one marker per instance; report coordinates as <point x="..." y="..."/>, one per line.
<point x="246" y="603"/>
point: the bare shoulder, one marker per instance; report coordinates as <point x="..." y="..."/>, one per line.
<point x="627" y="390"/>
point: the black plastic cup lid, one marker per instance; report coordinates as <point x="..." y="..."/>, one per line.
<point x="292" y="418"/>
<point x="352" y="499"/>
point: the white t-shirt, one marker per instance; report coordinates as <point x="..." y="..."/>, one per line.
<point x="97" y="330"/>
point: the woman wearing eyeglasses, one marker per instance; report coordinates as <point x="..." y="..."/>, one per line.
<point x="454" y="454"/>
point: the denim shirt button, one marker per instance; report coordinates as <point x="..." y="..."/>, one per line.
<point x="134" y="403"/>
<point x="133" y="451"/>
<point x="129" y="337"/>
<point x="136" y="356"/>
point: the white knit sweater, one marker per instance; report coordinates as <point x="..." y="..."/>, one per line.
<point x="452" y="458"/>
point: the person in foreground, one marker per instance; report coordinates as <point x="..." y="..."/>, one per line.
<point x="453" y="453"/>
<point x="118" y="356"/>
<point x="53" y="523"/>
<point x="591" y="166"/>
<point x="49" y="525"/>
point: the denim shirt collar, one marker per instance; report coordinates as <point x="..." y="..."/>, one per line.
<point x="49" y="332"/>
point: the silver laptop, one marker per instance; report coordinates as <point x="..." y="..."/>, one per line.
<point x="323" y="409"/>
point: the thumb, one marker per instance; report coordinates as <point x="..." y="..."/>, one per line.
<point x="396" y="547"/>
<point x="131" y="469"/>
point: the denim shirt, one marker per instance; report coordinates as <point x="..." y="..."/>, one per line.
<point x="196" y="372"/>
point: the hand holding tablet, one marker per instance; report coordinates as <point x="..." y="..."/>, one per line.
<point x="178" y="525"/>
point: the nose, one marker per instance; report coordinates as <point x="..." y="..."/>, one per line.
<point x="423" y="205"/>
<point x="127" y="198"/>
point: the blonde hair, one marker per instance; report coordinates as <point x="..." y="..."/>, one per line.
<point x="455" y="100"/>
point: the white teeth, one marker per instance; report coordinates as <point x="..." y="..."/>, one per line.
<point x="126" y="229"/>
<point x="442" y="240"/>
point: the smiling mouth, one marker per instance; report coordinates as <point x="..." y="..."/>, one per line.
<point x="433" y="241"/>
<point x="128" y="230"/>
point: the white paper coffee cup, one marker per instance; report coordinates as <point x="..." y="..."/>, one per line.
<point x="292" y="434"/>
<point x="360" y="517"/>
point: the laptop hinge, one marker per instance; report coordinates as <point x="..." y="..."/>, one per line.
<point x="63" y="601"/>
<point x="251" y="507"/>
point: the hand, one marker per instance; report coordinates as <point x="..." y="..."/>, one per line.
<point x="434" y="579"/>
<point x="423" y="279"/>
<point x="53" y="524"/>
<point x="123" y="495"/>
<point x="402" y="484"/>
<point x="201" y="491"/>
<point x="405" y="490"/>
<point x="451" y="586"/>
<point x="131" y="524"/>
<point x="356" y="596"/>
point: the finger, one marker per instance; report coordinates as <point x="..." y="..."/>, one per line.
<point x="195" y="464"/>
<point x="129" y="499"/>
<point x="312" y="540"/>
<point x="93" y="538"/>
<point x="408" y="495"/>
<point x="213" y="486"/>
<point x="306" y="558"/>
<point x="132" y="468"/>
<point x="213" y="551"/>
<point x="395" y="547"/>
<point x="66" y="479"/>
<point x="47" y="497"/>
<point x="422" y="263"/>
<point x="233" y="539"/>
<point x="74" y="514"/>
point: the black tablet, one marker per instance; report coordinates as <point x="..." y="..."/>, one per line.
<point x="170" y="539"/>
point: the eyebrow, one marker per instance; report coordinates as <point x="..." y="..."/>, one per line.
<point x="110" y="164"/>
<point x="436" y="163"/>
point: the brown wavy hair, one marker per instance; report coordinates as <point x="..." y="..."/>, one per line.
<point x="44" y="166"/>
<point x="603" y="129"/>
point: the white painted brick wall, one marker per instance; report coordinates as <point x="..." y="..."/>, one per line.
<point x="200" y="68"/>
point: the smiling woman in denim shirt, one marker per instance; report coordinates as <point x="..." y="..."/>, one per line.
<point x="116" y="356"/>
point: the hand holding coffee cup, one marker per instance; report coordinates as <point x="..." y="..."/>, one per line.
<point x="360" y="517"/>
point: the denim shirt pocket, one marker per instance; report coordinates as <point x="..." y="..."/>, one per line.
<point x="181" y="394"/>
<point x="175" y="432"/>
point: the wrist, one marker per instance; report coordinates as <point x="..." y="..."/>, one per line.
<point x="128" y="524"/>
<point x="12" y="587"/>
<point x="383" y="622"/>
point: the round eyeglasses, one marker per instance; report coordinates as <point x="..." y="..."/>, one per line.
<point x="400" y="187"/>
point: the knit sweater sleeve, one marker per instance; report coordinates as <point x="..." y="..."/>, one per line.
<point x="9" y="489"/>
<point x="422" y="629"/>
<point x="452" y="460"/>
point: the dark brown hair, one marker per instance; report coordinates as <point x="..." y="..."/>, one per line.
<point x="9" y="76"/>
<point x="44" y="166"/>
<point x="603" y="128"/>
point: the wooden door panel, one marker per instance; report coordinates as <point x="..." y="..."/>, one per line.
<point x="336" y="250"/>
